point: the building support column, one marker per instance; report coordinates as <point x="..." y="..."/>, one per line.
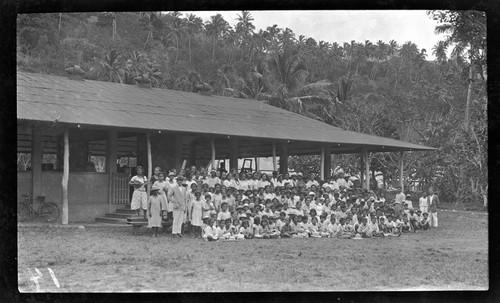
<point x="256" y="164"/>
<point x="322" y="165"/>
<point x="361" y="165"/>
<point x="150" y="161"/>
<point x="367" y="169"/>
<point x="65" y="178"/>
<point x="212" y="145"/>
<point x="284" y="159"/>
<point x="192" y="157"/>
<point x="36" y="161"/>
<point x="111" y="163"/>
<point x="233" y="157"/>
<point x="401" y="167"/>
<point x="328" y="162"/>
<point x="274" y="157"/>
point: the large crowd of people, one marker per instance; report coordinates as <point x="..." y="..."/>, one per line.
<point x="231" y="206"/>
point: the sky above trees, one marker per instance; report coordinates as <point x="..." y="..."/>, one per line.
<point x="343" y="25"/>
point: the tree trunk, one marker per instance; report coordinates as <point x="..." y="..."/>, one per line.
<point x="59" y="29"/>
<point x="65" y="178"/>
<point x="189" y="46"/>
<point x="176" y="49"/>
<point x="213" y="51"/>
<point x="469" y="89"/>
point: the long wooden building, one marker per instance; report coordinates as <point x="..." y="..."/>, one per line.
<point x="113" y="126"/>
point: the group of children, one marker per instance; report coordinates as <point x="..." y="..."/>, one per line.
<point x="219" y="207"/>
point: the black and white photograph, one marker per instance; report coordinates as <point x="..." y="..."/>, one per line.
<point x="252" y="151"/>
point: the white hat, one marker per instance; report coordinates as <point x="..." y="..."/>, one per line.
<point x="311" y="193"/>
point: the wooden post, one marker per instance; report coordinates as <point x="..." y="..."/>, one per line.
<point x="212" y="144"/>
<point x="367" y="169"/>
<point x="150" y="161"/>
<point x="256" y="164"/>
<point x="274" y="156"/>
<point x="65" y="178"/>
<point x="401" y="163"/>
<point x="328" y="161"/>
<point x="361" y="178"/>
<point x="284" y="159"/>
<point x="322" y="165"/>
<point x="233" y="158"/>
<point x="111" y="163"/>
<point x="192" y="159"/>
<point x="36" y="161"/>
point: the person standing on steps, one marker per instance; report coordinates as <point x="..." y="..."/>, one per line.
<point x="178" y="196"/>
<point x="139" y="197"/>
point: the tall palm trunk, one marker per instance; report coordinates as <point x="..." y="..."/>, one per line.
<point x="176" y="49"/>
<point x="189" y="47"/>
<point x="469" y="87"/>
<point x="213" y="50"/>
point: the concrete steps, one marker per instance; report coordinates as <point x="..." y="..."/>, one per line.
<point x="119" y="217"/>
<point x="111" y="220"/>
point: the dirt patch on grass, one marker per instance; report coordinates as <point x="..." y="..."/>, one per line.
<point x="102" y="259"/>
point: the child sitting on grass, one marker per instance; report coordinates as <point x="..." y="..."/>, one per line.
<point x="236" y="231"/>
<point x="286" y="229"/>
<point x="209" y="233"/>
<point x="323" y="226"/>
<point x="349" y="228"/>
<point x="246" y="230"/>
<point x="374" y="226"/>
<point x="257" y="229"/>
<point x="227" y="231"/>
<point x="304" y="225"/>
<point x="425" y="223"/>
<point x="414" y="220"/>
<point x="345" y="230"/>
<point x="313" y="228"/>
<point x="333" y="228"/>
<point x="364" y="230"/>
<point x="300" y="227"/>
<point x="405" y="226"/>
<point x="270" y="229"/>
<point x="392" y="229"/>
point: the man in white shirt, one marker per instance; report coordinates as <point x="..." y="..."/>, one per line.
<point x="422" y="203"/>
<point x="341" y="182"/>
<point x="212" y="180"/>
<point x="243" y="182"/>
<point x="311" y="181"/>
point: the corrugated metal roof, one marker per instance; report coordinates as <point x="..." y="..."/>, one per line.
<point x="47" y="98"/>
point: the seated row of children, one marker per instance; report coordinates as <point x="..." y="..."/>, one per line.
<point x="262" y="226"/>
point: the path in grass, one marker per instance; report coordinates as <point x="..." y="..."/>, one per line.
<point x="111" y="259"/>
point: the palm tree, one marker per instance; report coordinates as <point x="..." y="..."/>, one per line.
<point x="286" y="38"/>
<point x="245" y="30"/>
<point x="439" y="51"/>
<point x="111" y="66"/>
<point x="193" y="24"/>
<point x="289" y="68"/>
<point x="177" y="30"/>
<point x="271" y="35"/>
<point x="245" y="26"/>
<point x="230" y="39"/>
<point x="379" y="55"/>
<point x="216" y="27"/>
<point x="466" y="31"/>
<point x="150" y="21"/>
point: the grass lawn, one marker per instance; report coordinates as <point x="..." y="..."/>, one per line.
<point x="103" y="259"/>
